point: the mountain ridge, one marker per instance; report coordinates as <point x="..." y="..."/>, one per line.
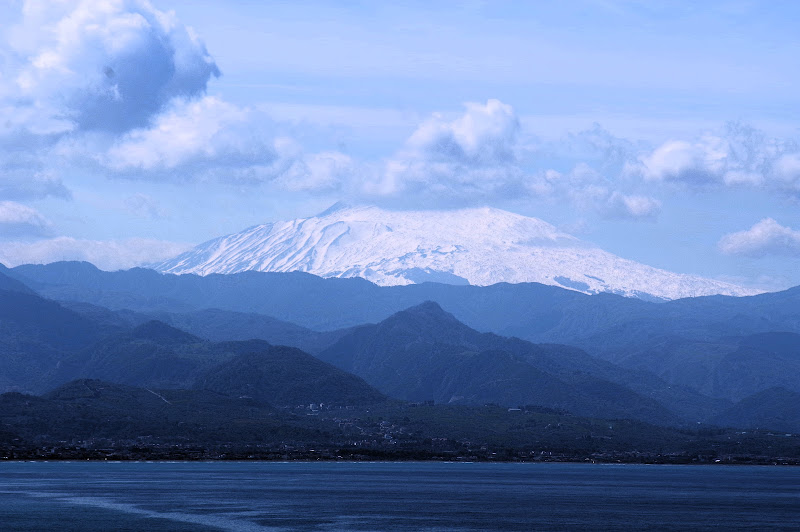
<point x="424" y="352"/>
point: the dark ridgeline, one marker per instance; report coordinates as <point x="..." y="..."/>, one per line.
<point x="157" y="355"/>
<point x="192" y="359"/>
<point x="425" y="353"/>
<point x="286" y="376"/>
<point x="696" y="343"/>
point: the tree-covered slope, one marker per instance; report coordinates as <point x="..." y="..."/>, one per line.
<point x="424" y="353"/>
<point x="286" y="376"/>
<point x="36" y="335"/>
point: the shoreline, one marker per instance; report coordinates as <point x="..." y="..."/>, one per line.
<point x="129" y="456"/>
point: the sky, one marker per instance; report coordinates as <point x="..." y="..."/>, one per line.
<point x="664" y="132"/>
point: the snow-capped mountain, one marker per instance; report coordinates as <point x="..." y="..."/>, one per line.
<point x="479" y="246"/>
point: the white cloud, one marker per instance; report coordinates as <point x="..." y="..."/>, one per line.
<point x="107" y="255"/>
<point x="208" y="138"/>
<point x="118" y="86"/>
<point x="635" y="207"/>
<point x="483" y="135"/>
<point x="190" y="132"/>
<point x="470" y="155"/>
<point x="742" y="156"/>
<point x="767" y="237"/>
<point x="702" y="162"/>
<point x="479" y="157"/>
<point x="472" y="158"/>
<point x="787" y="172"/>
<point x="20" y="220"/>
<point x="106" y="65"/>
<point x="72" y="67"/>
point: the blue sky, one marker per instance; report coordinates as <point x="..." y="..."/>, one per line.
<point x="667" y="133"/>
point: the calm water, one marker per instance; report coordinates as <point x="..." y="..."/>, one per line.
<point x="395" y="496"/>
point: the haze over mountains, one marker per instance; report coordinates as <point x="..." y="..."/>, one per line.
<point x="714" y="359"/>
<point x="479" y="246"/>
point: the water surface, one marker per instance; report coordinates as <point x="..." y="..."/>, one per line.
<point x="395" y="496"/>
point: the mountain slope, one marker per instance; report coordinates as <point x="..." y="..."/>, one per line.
<point x="152" y="354"/>
<point x="425" y="353"/>
<point x="36" y="335"/>
<point x="468" y="246"/>
<point x="731" y="368"/>
<point x="155" y="355"/>
<point x="774" y="408"/>
<point x="89" y="409"/>
<point x="285" y="376"/>
<point x="8" y="283"/>
<point x="427" y="324"/>
<point x="680" y="341"/>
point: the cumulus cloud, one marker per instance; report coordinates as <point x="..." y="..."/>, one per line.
<point x="483" y="135"/>
<point x="474" y="153"/>
<point x="479" y="157"/>
<point x="106" y="255"/>
<point x="742" y="156"/>
<point x="20" y="220"/>
<point x="702" y="162"/>
<point x="208" y="138"/>
<point x="632" y="206"/>
<point x="190" y="133"/>
<point x="767" y="237"/>
<point x="106" y="65"/>
<point x="79" y="70"/>
<point x="117" y="88"/>
<point x="786" y="171"/>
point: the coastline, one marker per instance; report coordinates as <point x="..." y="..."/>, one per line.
<point x="375" y="456"/>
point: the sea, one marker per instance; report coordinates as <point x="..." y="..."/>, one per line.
<point x="335" y="496"/>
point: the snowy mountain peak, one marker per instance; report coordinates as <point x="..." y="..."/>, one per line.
<point x="478" y="246"/>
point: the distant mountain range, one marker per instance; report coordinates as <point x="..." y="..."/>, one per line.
<point x="714" y="359"/>
<point x="481" y="246"/>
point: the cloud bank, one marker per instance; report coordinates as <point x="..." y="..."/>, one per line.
<point x="479" y="156"/>
<point x="473" y="157"/>
<point x="742" y="156"/>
